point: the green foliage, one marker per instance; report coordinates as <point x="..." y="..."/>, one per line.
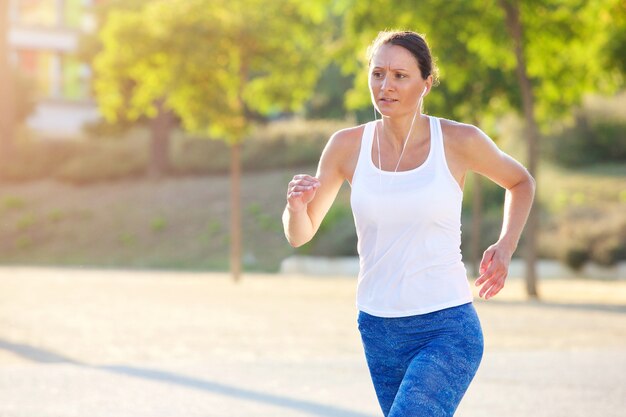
<point x="588" y="142"/>
<point x="575" y="257"/>
<point x="262" y="219"/>
<point x="590" y="234"/>
<point x="565" y="45"/>
<point x="336" y="235"/>
<point x="109" y="163"/>
<point x="214" y="63"/>
<point x="610" y="250"/>
<point x="293" y="143"/>
<point x="492" y="196"/>
<point x="327" y="100"/>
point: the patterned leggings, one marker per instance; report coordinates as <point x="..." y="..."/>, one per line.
<point x="422" y="365"/>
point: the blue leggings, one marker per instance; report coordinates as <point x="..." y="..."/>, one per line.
<point x="422" y="365"/>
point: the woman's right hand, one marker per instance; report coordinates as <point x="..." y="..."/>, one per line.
<point x="301" y="191"/>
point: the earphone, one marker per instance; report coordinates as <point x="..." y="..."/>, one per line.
<point x="405" y="141"/>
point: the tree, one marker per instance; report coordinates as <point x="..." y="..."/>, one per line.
<point x="212" y="64"/>
<point x="551" y="47"/>
<point x="552" y="74"/>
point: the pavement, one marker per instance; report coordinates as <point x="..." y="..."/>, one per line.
<point x="81" y="342"/>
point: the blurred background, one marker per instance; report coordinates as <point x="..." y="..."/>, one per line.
<point x="162" y="134"/>
<point x="145" y="152"/>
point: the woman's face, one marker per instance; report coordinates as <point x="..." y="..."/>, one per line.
<point x="395" y="81"/>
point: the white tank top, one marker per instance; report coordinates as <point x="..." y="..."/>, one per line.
<point x="408" y="225"/>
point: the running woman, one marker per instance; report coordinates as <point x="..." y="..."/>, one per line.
<point x="421" y="336"/>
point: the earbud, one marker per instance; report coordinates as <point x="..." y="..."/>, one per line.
<point x="423" y="92"/>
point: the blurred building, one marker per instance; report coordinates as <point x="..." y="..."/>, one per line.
<point x="43" y="42"/>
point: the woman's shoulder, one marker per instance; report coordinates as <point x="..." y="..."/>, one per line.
<point x="342" y="150"/>
<point x="346" y="139"/>
<point x="460" y="136"/>
<point x="458" y="131"/>
<point x="349" y="135"/>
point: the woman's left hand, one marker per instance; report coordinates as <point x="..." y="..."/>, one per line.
<point x="494" y="269"/>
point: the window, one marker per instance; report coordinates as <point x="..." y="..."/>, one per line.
<point x="55" y="75"/>
<point x="39" y="67"/>
<point x="75" y="79"/>
<point x="51" y="13"/>
<point x="37" y="12"/>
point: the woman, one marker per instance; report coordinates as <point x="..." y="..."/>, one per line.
<point x="422" y="339"/>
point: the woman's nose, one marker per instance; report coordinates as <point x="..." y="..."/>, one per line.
<point x="386" y="84"/>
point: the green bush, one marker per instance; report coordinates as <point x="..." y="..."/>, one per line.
<point x="587" y="142"/>
<point x="590" y="234"/>
<point x="280" y="144"/>
<point x="122" y="152"/>
<point x="101" y="163"/>
<point x="199" y="156"/>
<point x="336" y="235"/>
<point x="609" y="250"/>
<point x="34" y="160"/>
<point x="575" y="257"/>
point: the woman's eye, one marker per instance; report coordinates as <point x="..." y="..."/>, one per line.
<point x="376" y="74"/>
<point x="400" y="76"/>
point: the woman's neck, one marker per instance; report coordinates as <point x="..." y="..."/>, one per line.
<point x="396" y="130"/>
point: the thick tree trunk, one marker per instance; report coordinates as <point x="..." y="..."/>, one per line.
<point x="477" y="221"/>
<point x="514" y="25"/>
<point x="235" y="214"/>
<point x="7" y="90"/>
<point x="160" y="129"/>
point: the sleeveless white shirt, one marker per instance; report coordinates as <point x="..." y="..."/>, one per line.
<point x="408" y="225"/>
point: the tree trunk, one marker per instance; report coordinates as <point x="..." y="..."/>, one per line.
<point x="514" y="26"/>
<point x="7" y="94"/>
<point x="477" y="220"/>
<point x="160" y="129"/>
<point x="236" y="249"/>
<point x="235" y="214"/>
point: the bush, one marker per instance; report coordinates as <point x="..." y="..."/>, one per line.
<point x="591" y="235"/>
<point x="116" y="155"/>
<point x="588" y="142"/>
<point x="336" y="235"/>
<point x="609" y="250"/>
<point x="34" y="160"/>
<point x="105" y="163"/>
<point x="576" y="257"/>
<point x="199" y="156"/>
<point x="280" y="144"/>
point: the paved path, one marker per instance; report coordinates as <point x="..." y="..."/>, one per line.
<point x="120" y="343"/>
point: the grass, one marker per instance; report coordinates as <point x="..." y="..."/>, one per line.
<point x="175" y="223"/>
<point x="183" y="222"/>
<point x="598" y="185"/>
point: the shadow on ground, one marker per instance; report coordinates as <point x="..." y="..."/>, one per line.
<point x="48" y="357"/>
<point x="609" y="308"/>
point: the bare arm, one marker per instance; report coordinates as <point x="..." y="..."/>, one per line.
<point x="484" y="157"/>
<point x="309" y="198"/>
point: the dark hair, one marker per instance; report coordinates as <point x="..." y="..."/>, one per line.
<point x="412" y="42"/>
